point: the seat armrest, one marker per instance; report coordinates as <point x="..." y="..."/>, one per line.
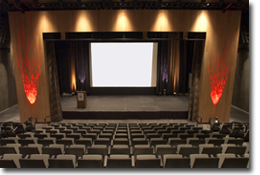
<point x="109" y="150"/>
<point x="105" y="161"/>
<point x="52" y="157"/>
<point x="161" y="163"/>
<point x="131" y="150"/>
<point x="133" y="161"/>
<point x="27" y="157"/>
<point x="211" y="155"/>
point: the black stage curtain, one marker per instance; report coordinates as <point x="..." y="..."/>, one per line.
<point x="73" y="65"/>
<point x="172" y="76"/>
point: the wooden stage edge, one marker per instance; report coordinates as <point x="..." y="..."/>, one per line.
<point x="125" y="115"/>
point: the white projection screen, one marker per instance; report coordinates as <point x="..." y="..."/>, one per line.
<point x="123" y="64"/>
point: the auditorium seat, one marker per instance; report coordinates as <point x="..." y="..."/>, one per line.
<point x="35" y="161"/>
<point x="62" y="161"/>
<point x="232" y="148"/>
<point x="90" y="161"/>
<point x="53" y="149"/>
<point x="147" y="161"/>
<point x="139" y="141"/>
<point x="10" y="161"/>
<point x="58" y="135"/>
<point x="120" y="141"/>
<point x="176" y="141"/>
<point x="75" y="136"/>
<point x="26" y="141"/>
<point x="152" y="135"/>
<point x="106" y="135"/>
<point x="30" y="149"/>
<point x="8" y="140"/>
<point x="42" y="135"/>
<point x="47" y="141"/>
<point x="84" y="141"/>
<point x="184" y="135"/>
<point x="175" y="161"/>
<point x="231" y="161"/>
<point x="165" y="149"/>
<point x="215" y="141"/>
<point x="137" y="136"/>
<point x="157" y="141"/>
<point x="93" y="136"/>
<point x="119" y="161"/>
<point x="234" y="141"/>
<point x="186" y="150"/>
<point x="121" y="136"/>
<point x="201" y="135"/>
<point x="25" y="135"/>
<point x="10" y="148"/>
<point x="120" y="149"/>
<point x="203" y="161"/>
<point x="195" y="141"/>
<point x="210" y="149"/>
<point x="98" y="149"/>
<point x="218" y="135"/>
<point x="166" y="136"/>
<point x="102" y="141"/>
<point x="142" y="149"/>
<point x="65" y="141"/>
<point x="77" y="150"/>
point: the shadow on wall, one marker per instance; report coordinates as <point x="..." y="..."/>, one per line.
<point x="8" y="95"/>
<point x="241" y="85"/>
<point x="4" y="101"/>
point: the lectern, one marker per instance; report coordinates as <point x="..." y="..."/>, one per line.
<point x="82" y="99"/>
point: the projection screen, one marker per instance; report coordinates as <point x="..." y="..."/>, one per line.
<point x="123" y="64"/>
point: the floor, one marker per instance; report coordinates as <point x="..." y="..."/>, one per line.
<point x="127" y="103"/>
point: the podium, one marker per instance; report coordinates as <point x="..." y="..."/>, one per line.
<point x="82" y="99"/>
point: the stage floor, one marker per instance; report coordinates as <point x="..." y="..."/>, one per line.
<point x="128" y="103"/>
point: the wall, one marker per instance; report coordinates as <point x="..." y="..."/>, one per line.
<point x="241" y="85"/>
<point x="222" y="40"/>
<point x="8" y="96"/>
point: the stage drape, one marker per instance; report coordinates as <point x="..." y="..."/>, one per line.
<point x="170" y="66"/>
<point x="73" y="65"/>
<point x="55" y="104"/>
<point x="196" y="70"/>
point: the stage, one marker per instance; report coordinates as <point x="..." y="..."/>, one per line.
<point x="127" y="107"/>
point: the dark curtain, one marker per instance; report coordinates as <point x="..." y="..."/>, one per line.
<point x="73" y="65"/>
<point x="162" y="67"/>
<point x="63" y="58"/>
<point x="171" y="69"/>
<point x="196" y="70"/>
<point x="82" y="68"/>
<point x="55" y="105"/>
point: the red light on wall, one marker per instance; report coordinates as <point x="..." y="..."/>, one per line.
<point x="30" y="72"/>
<point x="218" y="69"/>
<point x="28" y="61"/>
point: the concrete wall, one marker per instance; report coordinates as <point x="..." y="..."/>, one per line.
<point x="241" y="85"/>
<point x="8" y="96"/>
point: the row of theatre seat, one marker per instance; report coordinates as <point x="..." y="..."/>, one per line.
<point x="123" y="146"/>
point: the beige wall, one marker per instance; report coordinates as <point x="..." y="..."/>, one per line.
<point x="219" y="26"/>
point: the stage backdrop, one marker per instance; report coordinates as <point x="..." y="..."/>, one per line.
<point x="217" y="70"/>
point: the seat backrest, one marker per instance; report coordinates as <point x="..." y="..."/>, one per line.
<point x="98" y="149"/>
<point x="165" y="149"/>
<point x="239" y="150"/>
<point x="77" y="150"/>
<point x="90" y="161"/>
<point x="7" y="164"/>
<point x="28" y="150"/>
<point x="235" y="162"/>
<point x="14" y="157"/>
<point x="119" y="161"/>
<point x="175" y="161"/>
<point x="63" y="161"/>
<point x="147" y="161"/>
<point x="222" y="158"/>
<point x="211" y="162"/>
<point x="120" y="149"/>
<point x="142" y="149"/>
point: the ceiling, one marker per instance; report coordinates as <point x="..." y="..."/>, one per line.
<point x="36" y="5"/>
